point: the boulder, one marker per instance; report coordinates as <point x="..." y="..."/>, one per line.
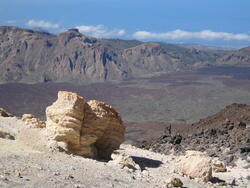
<point x="195" y="165"/>
<point x="32" y="121"/>
<point x="92" y="129"/>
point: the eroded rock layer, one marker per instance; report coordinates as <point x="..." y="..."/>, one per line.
<point x="92" y="129"/>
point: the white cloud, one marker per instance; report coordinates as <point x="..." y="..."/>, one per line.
<point x="100" y="31"/>
<point x="183" y="35"/>
<point x="121" y="32"/>
<point x="90" y="28"/>
<point x="42" y="24"/>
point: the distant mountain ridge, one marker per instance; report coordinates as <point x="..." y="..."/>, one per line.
<point x="35" y="56"/>
<point x="208" y="47"/>
<point x="239" y="57"/>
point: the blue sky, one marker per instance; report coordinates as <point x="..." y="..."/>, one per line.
<point x="216" y="22"/>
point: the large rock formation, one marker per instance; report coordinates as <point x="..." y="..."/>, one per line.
<point x="92" y="129"/>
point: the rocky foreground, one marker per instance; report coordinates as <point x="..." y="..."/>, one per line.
<point x="79" y="146"/>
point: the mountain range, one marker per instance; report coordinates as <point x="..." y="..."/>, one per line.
<point x="31" y="56"/>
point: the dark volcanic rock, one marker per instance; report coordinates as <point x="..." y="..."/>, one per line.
<point x="176" y="139"/>
<point x="224" y="135"/>
<point x="245" y="149"/>
<point x="241" y="125"/>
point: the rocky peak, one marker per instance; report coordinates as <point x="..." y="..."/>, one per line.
<point x="75" y="33"/>
<point x="66" y="36"/>
<point x="74" y="30"/>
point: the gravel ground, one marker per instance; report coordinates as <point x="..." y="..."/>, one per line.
<point x="23" y="165"/>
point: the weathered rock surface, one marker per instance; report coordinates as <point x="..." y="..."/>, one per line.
<point x="195" y="165"/>
<point x="102" y="124"/>
<point x="32" y="121"/>
<point x="65" y="118"/>
<point x="92" y="129"/>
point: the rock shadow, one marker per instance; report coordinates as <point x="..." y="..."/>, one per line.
<point x="146" y="162"/>
<point x="217" y="180"/>
<point x="6" y="135"/>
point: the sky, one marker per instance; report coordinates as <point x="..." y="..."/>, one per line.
<point x="212" y="22"/>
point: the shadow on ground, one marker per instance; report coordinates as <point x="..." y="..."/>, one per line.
<point x="217" y="180"/>
<point x="146" y="162"/>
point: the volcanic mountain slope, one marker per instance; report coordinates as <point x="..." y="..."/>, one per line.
<point x="225" y="135"/>
<point x="33" y="56"/>
<point x="231" y="114"/>
<point x="239" y="57"/>
<point x="208" y="47"/>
